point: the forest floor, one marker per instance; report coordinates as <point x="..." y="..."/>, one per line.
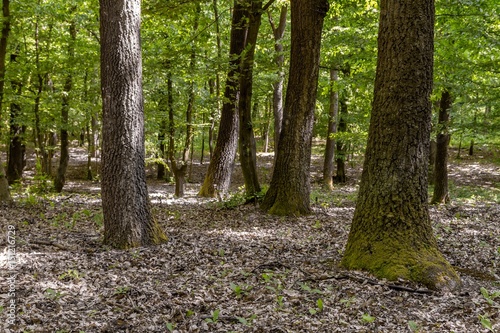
<point x="232" y="268"/>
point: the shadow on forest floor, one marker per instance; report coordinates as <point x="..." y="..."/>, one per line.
<point x="230" y="268"/>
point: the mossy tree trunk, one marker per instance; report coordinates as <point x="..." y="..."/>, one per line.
<point x="289" y="189"/>
<point x="440" y="173"/>
<point x="391" y="234"/>
<point x="247" y="146"/>
<point x="128" y="221"/>
<point x="218" y="177"/>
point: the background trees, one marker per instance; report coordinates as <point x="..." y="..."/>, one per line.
<point x="39" y="63"/>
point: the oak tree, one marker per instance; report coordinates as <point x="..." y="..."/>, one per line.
<point x="391" y="234"/>
<point x="289" y="189"/>
<point x="128" y="221"/>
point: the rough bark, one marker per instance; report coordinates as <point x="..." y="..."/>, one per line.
<point x="391" y="234"/>
<point x="289" y="189"/>
<point x="332" y="129"/>
<point x="60" y="179"/>
<point x="440" y="194"/>
<point x="218" y="177"/>
<point x="248" y="150"/>
<point x="278" y="33"/>
<point x="128" y="221"/>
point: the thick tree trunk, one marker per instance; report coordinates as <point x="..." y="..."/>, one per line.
<point x="289" y="190"/>
<point x="248" y="151"/>
<point x="218" y="177"/>
<point x="60" y="179"/>
<point x="278" y="32"/>
<point x="391" y="234"/>
<point x="440" y="194"/>
<point x="340" y="176"/>
<point x="332" y="129"/>
<point x="128" y="221"/>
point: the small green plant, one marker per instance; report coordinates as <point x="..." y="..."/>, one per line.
<point x="247" y="321"/>
<point x="99" y="219"/>
<point x="319" y="307"/>
<point x="170" y="326"/>
<point x="366" y="318"/>
<point x="490" y="297"/>
<point x="53" y="295"/>
<point x="70" y="274"/>
<point x="486" y="322"/>
<point x="348" y="301"/>
<point x="306" y="287"/>
<point x="240" y="290"/>
<point x="189" y="313"/>
<point x="121" y="290"/>
<point x="215" y="317"/>
<point x="413" y="326"/>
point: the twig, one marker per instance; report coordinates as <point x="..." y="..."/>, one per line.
<point x="49" y="243"/>
<point x="370" y="282"/>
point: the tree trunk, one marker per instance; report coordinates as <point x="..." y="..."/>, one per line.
<point x="179" y="168"/>
<point x="440" y="194"/>
<point x="432" y="160"/>
<point x="42" y="153"/>
<point x="471" y="147"/>
<point x="332" y="129"/>
<point x="289" y="189"/>
<point x="60" y="179"/>
<point x="340" y="176"/>
<point x="218" y="177"/>
<point x="248" y="149"/>
<point x="17" y="148"/>
<point x="128" y="221"/>
<point x="161" y="168"/>
<point x="278" y="32"/>
<point x="391" y="234"/>
<point x="4" y="184"/>
<point x="216" y="84"/>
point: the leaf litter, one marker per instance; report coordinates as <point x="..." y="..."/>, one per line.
<point x="236" y="269"/>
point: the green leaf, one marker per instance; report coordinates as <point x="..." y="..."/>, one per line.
<point x="367" y="318"/>
<point x="319" y="303"/>
<point x="312" y="311"/>
<point x="485" y="321"/>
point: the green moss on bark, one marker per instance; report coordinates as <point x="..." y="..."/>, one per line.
<point x="391" y="259"/>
